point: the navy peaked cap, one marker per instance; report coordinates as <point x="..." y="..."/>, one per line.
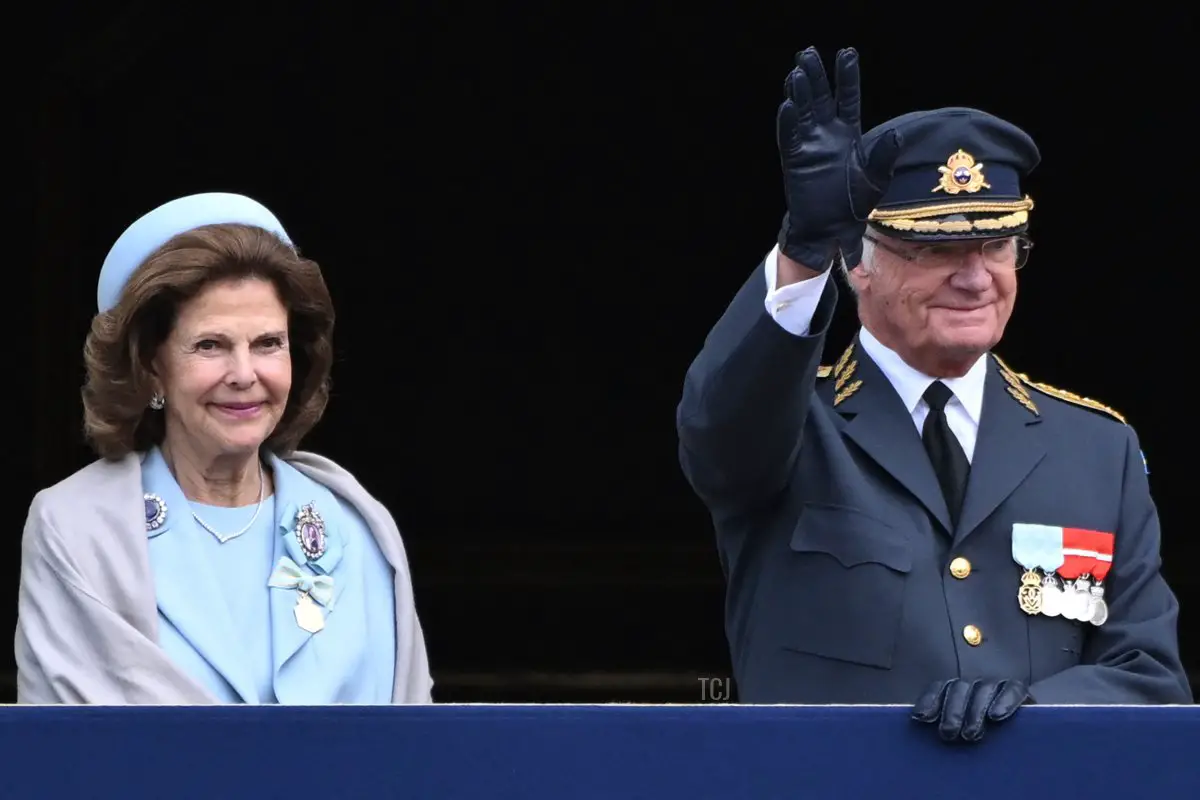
<point x="959" y="175"/>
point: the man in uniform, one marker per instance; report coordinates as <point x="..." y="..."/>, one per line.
<point x="918" y="523"/>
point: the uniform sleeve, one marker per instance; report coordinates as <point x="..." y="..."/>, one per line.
<point x="745" y="399"/>
<point x="70" y="647"/>
<point x="1133" y="658"/>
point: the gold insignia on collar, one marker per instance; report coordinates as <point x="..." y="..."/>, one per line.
<point x="849" y="390"/>
<point x="1060" y="394"/>
<point x="845" y="376"/>
<point x="841" y="362"/>
<point x="842" y="373"/>
<point x="1015" y="388"/>
<point x="961" y="174"/>
<point x="823" y="371"/>
<point x="1011" y="379"/>
<point x="1024" y="399"/>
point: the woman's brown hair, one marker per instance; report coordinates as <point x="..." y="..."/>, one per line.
<point x="124" y="340"/>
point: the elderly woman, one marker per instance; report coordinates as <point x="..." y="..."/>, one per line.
<point x="203" y="558"/>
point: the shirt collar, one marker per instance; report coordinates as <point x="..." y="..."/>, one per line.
<point x="911" y="384"/>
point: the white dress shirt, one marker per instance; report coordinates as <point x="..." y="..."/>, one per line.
<point x="793" y="306"/>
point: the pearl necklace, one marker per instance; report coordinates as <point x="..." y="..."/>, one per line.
<point x="223" y="538"/>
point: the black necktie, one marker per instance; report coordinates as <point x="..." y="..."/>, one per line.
<point x="949" y="461"/>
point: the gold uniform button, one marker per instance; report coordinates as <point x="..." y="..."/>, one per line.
<point x="960" y="568"/>
<point x="973" y="635"/>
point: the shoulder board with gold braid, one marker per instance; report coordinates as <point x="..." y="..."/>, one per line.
<point x="1060" y="394"/>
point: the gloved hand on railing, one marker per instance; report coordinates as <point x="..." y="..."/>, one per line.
<point x="962" y="709"/>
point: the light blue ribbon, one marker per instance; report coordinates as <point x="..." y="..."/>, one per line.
<point x="1038" y="546"/>
<point x="288" y="575"/>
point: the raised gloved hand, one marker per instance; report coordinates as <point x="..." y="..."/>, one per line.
<point x="963" y="708"/>
<point x="829" y="183"/>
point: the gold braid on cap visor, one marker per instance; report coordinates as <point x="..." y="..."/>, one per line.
<point x="916" y="219"/>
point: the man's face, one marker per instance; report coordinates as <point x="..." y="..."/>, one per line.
<point x="940" y="305"/>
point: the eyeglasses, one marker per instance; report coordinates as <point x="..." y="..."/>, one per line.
<point x="1011" y="252"/>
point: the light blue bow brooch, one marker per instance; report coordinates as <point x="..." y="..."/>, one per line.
<point x="289" y="575"/>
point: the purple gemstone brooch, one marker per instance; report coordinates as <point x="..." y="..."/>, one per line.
<point x="156" y="511"/>
<point x="310" y="532"/>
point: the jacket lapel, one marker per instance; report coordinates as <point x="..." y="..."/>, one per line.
<point x="1007" y="449"/>
<point x="188" y="593"/>
<point x="295" y="492"/>
<point x="878" y="422"/>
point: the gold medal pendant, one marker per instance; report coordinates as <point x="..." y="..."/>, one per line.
<point x="308" y="614"/>
<point x="1030" y="593"/>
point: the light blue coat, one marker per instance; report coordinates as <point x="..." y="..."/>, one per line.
<point x="222" y="623"/>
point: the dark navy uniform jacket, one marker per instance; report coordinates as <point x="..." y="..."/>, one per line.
<point x="836" y="543"/>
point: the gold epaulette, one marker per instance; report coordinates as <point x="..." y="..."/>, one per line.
<point x="1061" y="394"/>
<point x="1071" y="397"/>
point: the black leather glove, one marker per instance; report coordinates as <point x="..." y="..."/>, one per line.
<point x="829" y="184"/>
<point x="962" y="708"/>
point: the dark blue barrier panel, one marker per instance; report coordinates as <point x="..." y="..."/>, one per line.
<point x="571" y="752"/>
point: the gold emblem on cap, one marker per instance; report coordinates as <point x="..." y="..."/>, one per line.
<point x="961" y="174"/>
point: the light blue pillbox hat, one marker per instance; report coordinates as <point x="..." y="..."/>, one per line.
<point x="156" y="228"/>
